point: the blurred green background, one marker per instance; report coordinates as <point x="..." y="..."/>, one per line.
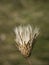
<point x="17" y="12"/>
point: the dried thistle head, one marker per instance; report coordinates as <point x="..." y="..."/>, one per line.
<point x="25" y="36"/>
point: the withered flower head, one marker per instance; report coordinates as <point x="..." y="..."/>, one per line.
<point x="25" y="36"/>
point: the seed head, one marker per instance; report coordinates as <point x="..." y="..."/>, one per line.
<point x="25" y="36"/>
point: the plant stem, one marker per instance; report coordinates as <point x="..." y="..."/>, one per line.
<point x="29" y="61"/>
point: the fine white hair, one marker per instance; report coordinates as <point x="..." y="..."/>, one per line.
<point x="24" y="34"/>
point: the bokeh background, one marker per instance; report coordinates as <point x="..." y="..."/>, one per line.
<point x="23" y="12"/>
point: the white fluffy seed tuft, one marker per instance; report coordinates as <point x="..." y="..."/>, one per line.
<point x="24" y="34"/>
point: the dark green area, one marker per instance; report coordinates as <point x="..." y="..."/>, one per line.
<point x="23" y="12"/>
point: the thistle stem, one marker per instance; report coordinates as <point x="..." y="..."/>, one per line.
<point x="29" y="61"/>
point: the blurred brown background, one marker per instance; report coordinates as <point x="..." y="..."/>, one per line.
<point x="17" y="12"/>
